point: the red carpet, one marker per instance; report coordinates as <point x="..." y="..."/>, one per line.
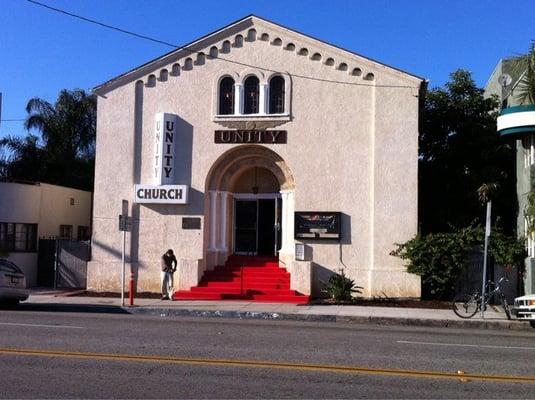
<point x="245" y="278"/>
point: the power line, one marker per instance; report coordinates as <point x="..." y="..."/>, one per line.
<point x="101" y="23"/>
<point x="140" y="36"/>
<point x="13" y="120"/>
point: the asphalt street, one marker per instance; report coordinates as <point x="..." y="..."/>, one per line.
<point x="87" y="355"/>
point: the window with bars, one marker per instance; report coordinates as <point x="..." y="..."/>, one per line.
<point x="226" y="96"/>
<point x="83" y="232"/>
<point x="15" y="237"/>
<point x="65" y="232"/>
<point x="251" y="93"/>
<point x="276" y="95"/>
<point x="528" y="143"/>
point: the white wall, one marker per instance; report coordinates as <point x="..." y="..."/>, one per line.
<point x="19" y="203"/>
<point x="351" y="148"/>
<point x="46" y="205"/>
<point x="56" y="209"/>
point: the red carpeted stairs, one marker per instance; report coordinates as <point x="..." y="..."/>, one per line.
<point x="245" y="278"/>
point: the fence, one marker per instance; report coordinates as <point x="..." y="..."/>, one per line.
<point x="63" y="263"/>
<point x="470" y="279"/>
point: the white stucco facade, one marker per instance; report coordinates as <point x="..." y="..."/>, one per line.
<point x="46" y="206"/>
<point x="351" y="146"/>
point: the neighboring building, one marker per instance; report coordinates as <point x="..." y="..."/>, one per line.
<point x="245" y="128"/>
<point x="517" y="123"/>
<point x="29" y="211"/>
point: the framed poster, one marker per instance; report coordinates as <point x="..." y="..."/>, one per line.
<point x="317" y="225"/>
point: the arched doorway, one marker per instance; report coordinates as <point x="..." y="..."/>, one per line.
<point x="256" y="214"/>
<point x="249" y="205"/>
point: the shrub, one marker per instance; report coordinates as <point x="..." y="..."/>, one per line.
<point x="439" y="258"/>
<point x="340" y="287"/>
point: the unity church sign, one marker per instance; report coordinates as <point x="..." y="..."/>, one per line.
<point x="163" y="190"/>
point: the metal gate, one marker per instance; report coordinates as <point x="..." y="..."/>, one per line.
<point x="470" y="279"/>
<point x="63" y="263"/>
<point x="46" y="262"/>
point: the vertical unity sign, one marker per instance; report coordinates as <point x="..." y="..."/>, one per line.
<point x="163" y="188"/>
<point x="164" y="154"/>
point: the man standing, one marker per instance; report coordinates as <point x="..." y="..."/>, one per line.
<point x="169" y="264"/>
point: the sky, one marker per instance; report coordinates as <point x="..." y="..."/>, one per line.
<point x="42" y="52"/>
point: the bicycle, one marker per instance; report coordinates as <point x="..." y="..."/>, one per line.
<point x="467" y="305"/>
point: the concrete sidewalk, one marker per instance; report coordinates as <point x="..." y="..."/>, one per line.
<point x="494" y="316"/>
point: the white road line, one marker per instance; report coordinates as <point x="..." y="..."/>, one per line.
<point x="42" y="326"/>
<point x="466" y="345"/>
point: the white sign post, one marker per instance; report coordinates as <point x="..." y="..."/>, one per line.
<point x="487" y="237"/>
<point x="125" y="222"/>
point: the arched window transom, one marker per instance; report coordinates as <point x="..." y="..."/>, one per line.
<point x="226" y="96"/>
<point x="276" y="95"/>
<point x="251" y="92"/>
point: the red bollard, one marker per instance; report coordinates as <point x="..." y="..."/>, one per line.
<point x="131" y="293"/>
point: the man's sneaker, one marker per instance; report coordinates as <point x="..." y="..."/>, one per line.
<point x="165" y="298"/>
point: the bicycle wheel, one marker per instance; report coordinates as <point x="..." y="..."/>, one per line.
<point x="505" y="306"/>
<point x="466" y="305"/>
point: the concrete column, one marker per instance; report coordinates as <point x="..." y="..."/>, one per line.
<point x="238" y="98"/>
<point x="212" y="220"/>
<point x="263" y="100"/>
<point x="223" y="218"/>
<point x="288" y="208"/>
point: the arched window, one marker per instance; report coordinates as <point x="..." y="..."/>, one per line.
<point x="226" y="96"/>
<point x="276" y="95"/>
<point x="251" y="94"/>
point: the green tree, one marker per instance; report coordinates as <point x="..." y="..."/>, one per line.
<point x="22" y="158"/>
<point x="439" y="258"/>
<point x="65" y="152"/>
<point x="462" y="158"/>
<point x="526" y="86"/>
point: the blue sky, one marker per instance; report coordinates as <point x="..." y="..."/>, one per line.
<point x="42" y="52"/>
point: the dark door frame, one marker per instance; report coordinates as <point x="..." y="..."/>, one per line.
<point x="276" y="222"/>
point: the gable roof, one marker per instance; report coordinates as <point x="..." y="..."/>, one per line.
<point x="235" y="27"/>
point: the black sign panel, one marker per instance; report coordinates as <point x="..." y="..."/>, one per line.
<point x="250" y="136"/>
<point x="191" y="223"/>
<point x="125" y="223"/>
<point x="317" y="225"/>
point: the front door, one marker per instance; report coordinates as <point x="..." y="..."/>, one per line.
<point x="257" y="227"/>
<point x="266" y="224"/>
<point x="245" y="224"/>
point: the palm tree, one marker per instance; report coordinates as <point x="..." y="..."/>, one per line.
<point x="526" y="86"/>
<point x="68" y="131"/>
<point x="21" y="159"/>
<point x="69" y="125"/>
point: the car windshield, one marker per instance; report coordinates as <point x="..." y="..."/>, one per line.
<point x="7" y="266"/>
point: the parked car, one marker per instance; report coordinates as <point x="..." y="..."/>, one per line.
<point x="12" y="283"/>
<point x="524" y="308"/>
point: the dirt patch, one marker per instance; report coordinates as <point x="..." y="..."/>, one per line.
<point x="408" y="303"/>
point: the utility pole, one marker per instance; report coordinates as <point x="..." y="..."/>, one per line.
<point x="484" y="278"/>
<point x="125" y="224"/>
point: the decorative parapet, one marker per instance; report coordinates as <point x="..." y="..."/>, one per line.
<point x="251" y="121"/>
<point x="517" y="121"/>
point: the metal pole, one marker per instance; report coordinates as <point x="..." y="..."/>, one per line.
<point x="123" y="271"/>
<point x="487" y="238"/>
<point x="56" y="260"/>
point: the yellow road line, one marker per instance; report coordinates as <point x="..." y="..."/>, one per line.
<point x="267" y="364"/>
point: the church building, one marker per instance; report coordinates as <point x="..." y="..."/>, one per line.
<point x="266" y="159"/>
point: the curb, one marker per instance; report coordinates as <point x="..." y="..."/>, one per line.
<point x="385" y="321"/>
